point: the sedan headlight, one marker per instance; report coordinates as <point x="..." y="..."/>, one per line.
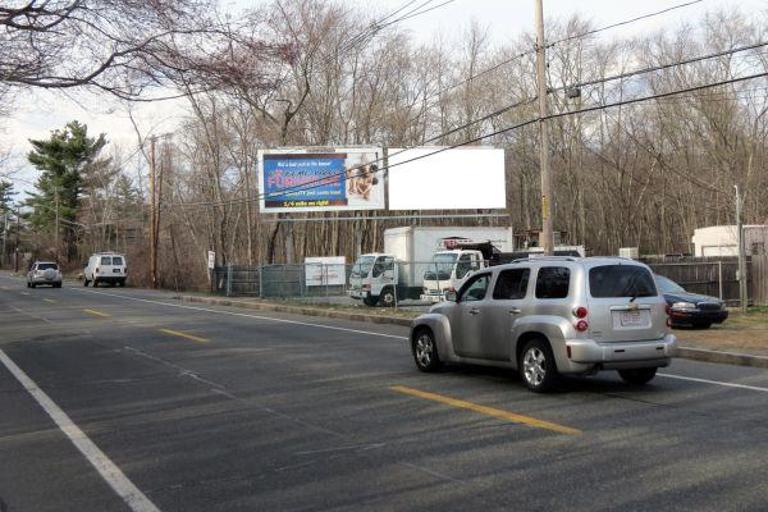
<point x="684" y="306"/>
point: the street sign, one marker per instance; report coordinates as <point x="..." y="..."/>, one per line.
<point x="211" y="260"/>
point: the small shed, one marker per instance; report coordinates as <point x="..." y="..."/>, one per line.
<point x="714" y="241"/>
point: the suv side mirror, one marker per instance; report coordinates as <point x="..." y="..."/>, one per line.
<point x="451" y="296"/>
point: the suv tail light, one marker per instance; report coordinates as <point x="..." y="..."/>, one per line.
<point x="582" y="325"/>
<point x="580" y="312"/>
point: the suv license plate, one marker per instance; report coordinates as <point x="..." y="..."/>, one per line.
<point x="631" y="319"/>
<point x="116" y="270"/>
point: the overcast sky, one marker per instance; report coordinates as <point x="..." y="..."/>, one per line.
<point x="39" y="112"/>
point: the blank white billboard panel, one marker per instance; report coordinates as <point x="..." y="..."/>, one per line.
<point x="455" y="179"/>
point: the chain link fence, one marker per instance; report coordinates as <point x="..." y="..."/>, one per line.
<point x="426" y="282"/>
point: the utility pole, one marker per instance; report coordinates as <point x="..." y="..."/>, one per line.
<point x="58" y="230"/>
<point x="18" y="232"/>
<point x="742" y="257"/>
<point x="5" y="237"/>
<point x="547" y="237"/>
<point x="152" y="216"/>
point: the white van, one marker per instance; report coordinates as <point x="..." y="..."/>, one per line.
<point x="105" y="267"/>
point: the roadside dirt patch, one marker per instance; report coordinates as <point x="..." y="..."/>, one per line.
<point x="746" y="334"/>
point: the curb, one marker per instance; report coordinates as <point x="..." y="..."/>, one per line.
<point x="298" y="310"/>
<point x="695" y="354"/>
<point x="714" y="356"/>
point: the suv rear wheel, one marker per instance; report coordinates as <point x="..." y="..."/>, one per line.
<point x="639" y="376"/>
<point x="537" y="366"/>
<point x="425" y="351"/>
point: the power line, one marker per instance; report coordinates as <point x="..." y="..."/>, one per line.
<point x="559" y="41"/>
<point x="321" y="181"/>
<point x="508" y="129"/>
<point x="660" y="67"/>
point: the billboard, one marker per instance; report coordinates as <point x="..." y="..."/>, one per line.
<point x="454" y="179"/>
<point x="297" y="180"/>
<point x="325" y="271"/>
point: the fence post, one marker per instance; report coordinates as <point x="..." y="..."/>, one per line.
<point x="720" y="278"/>
<point x="229" y="279"/>
<point x="261" y="281"/>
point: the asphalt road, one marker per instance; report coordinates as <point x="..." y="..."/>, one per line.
<point x="120" y="399"/>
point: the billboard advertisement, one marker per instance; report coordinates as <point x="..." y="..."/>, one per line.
<point x="295" y="180"/>
<point x="454" y="179"/>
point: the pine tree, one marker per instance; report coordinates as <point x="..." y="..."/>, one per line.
<point x="64" y="160"/>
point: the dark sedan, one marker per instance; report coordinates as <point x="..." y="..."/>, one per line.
<point x="691" y="309"/>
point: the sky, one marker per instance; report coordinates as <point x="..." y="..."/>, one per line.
<point x="37" y="113"/>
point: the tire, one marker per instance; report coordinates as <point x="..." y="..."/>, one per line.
<point x="387" y="298"/>
<point x="95" y="283"/>
<point x="537" y="366"/>
<point x="370" y="301"/>
<point x="57" y="285"/>
<point x="424" y="351"/>
<point x="32" y="285"/>
<point x="639" y="376"/>
<point x="121" y="283"/>
<point x="29" y="285"/>
<point x="85" y="282"/>
<point x="702" y="325"/>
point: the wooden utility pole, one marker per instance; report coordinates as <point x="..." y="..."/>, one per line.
<point x="743" y="298"/>
<point x="152" y="216"/>
<point x="18" y="233"/>
<point x="58" y="229"/>
<point x="547" y="237"/>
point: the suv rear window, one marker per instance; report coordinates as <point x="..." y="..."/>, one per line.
<point x="117" y="260"/>
<point x="553" y="283"/>
<point x="46" y="266"/>
<point x="511" y="284"/>
<point x="621" y="281"/>
<point x="106" y="260"/>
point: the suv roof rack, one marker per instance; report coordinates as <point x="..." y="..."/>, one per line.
<point x="534" y="257"/>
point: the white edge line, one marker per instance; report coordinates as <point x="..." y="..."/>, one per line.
<point x="133" y="497"/>
<point x="258" y="317"/>
<point x="716" y="382"/>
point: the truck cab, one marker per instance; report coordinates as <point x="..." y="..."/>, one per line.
<point x="448" y="271"/>
<point x="374" y="279"/>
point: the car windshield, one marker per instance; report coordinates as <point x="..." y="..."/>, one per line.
<point x="362" y="266"/>
<point x="46" y="266"/>
<point x="442" y="266"/>
<point x="667" y="285"/>
<point x="621" y="281"/>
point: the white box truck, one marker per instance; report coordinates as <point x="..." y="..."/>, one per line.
<point x="398" y="272"/>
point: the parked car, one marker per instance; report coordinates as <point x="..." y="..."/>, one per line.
<point x="550" y="316"/>
<point x="105" y="267"/>
<point x="691" y="309"/>
<point x="44" y="272"/>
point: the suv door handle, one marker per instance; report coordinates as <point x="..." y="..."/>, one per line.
<point x="474" y="311"/>
<point x="515" y="311"/>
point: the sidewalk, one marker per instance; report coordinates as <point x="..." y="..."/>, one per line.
<point x="741" y="340"/>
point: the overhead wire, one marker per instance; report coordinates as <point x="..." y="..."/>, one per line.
<point x="322" y="181"/>
<point x="581" y="35"/>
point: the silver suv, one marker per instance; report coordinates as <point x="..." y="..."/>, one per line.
<point x="44" y="272"/>
<point x="549" y="316"/>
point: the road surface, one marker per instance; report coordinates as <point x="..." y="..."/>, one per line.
<point x="122" y="399"/>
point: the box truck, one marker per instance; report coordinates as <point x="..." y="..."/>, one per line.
<point x="397" y="273"/>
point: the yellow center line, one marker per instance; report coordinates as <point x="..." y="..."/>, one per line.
<point x="50" y="300"/>
<point x="184" y="335"/>
<point x="489" y="411"/>
<point x="97" y="313"/>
